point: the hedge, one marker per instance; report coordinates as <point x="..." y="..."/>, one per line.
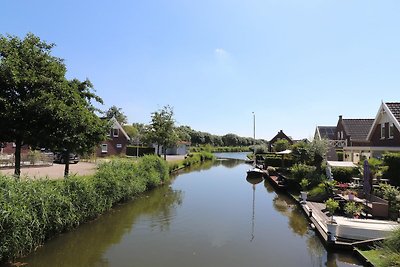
<point x="133" y="150"/>
<point x="392" y="160"/>
<point x="33" y="211"/>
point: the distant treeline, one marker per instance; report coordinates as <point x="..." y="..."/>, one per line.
<point x="203" y="138"/>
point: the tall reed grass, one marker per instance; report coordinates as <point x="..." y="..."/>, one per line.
<point x="32" y="211"/>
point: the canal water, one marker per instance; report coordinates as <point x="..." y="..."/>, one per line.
<point x="207" y="216"/>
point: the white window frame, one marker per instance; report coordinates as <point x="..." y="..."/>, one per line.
<point x="341" y="135"/>
<point x="383" y="130"/>
<point x="119" y="145"/>
<point x="391" y="130"/>
<point x="115" y="133"/>
<point x="104" y="148"/>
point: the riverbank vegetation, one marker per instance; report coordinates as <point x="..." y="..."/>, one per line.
<point x="33" y="211"/>
<point x="191" y="159"/>
<point x="386" y="254"/>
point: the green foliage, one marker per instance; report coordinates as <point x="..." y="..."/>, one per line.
<point x="162" y="128"/>
<point x="300" y="171"/>
<point x="391" y="194"/>
<point x="281" y="145"/>
<point x="331" y="206"/>
<point x="131" y="150"/>
<point x="340" y="155"/>
<point x="318" y="150"/>
<point x="40" y="107"/>
<point x="33" y="211"/>
<point x="118" y="114"/>
<point x="194" y="158"/>
<point x="260" y="149"/>
<point x="274" y="160"/>
<point x="214" y="149"/>
<point x="320" y="192"/>
<point x="351" y="208"/>
<point x="304" y="183"/>
<point x="343" y="175"/>
<point x="392" y="160"/>
<point x="301" y="152"/>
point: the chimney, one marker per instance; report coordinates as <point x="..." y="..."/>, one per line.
<point x="340" y="117"/>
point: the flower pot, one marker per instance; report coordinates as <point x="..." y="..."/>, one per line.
<point x="332" y="231"/>
<point x="303" y="196"/>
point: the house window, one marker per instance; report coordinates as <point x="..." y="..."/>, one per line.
<point x="338" y="135"/>
<point x="391" y="131"/>
<point x="119" y="145"/>
<point x="341" y="135"/>
<point x="382" y="131"/>
<point x="115" y="132"/>
<point x="104" y="148"/>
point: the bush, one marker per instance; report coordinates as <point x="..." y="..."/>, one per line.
<point x="33" y="211"/>
<point x="392" y="160"/>
<point x="300" y="171"/>
<point x="339" y="155"/>
<point x="133" y="150"/>
<point x="343" y="175"/>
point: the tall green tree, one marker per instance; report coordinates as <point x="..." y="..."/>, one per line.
<point x="118" y="114"/>
<point x="39" y="106"/>
<point x="162" y="128"/>
<point x="74" y="127"/>
<point x="28" y="72"/>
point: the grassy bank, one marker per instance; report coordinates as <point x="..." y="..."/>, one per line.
<point x="33" y="211"/>
<point x="191" y="159"/>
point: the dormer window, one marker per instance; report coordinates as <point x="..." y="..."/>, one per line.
<point x="383" y="131"/>
<point x="338" y="135"/>
<point x="115" y="132"/>
<point x="391" y="130"/>
<point x="341" y="135"/>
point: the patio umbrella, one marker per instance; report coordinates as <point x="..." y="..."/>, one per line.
<point x="367" y="173"/>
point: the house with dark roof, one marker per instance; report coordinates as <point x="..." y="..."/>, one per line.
<point x="382" y="136"/>
<point x="353" y="132"/>
<point x="280" y="135"/>
<point x="116" y="142"/>
<point x="325" y="132"/>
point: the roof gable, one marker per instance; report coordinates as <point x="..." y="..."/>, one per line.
<point x="326" y="132"/>
<point x="392" y="109"/>
<point x="116" y="125"/>
<point x="357" y="129"/>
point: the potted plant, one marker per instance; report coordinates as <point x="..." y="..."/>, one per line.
<point x="351" y="194"/>
<point x="353" y="209"/>
<point x="304" y="183"/>
<point x="331" y="206"/>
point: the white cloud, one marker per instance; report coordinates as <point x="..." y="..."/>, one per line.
<point x="221" y="53"/>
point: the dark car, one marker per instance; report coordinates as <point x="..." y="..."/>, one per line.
<point x="59" y="158"/>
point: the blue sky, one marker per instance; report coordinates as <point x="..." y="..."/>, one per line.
<point x="296" y="64"/>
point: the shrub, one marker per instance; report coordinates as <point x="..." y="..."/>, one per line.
<point x="352" y="208"/>
<point x="300" y="171"/>
<point x="331" y="206"/>
<point x="133" y="150"/>
<point x="392" y="160"/>
<point x="339" y="155"/>
<point x="343" y="175"/>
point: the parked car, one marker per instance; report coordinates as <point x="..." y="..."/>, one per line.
<point x="59" y="158"/>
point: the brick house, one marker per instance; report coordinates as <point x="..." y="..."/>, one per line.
<point x="383" y="134"/>
<point x="8" y="148"/>
<point x="116" y="142"/>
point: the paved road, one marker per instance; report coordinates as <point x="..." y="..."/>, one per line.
<point x="56" y="171"/>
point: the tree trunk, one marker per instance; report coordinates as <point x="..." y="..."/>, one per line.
<point x="165" y="151"/>
<point x="66" y="160"/>
<point x="158" y="149"/>
<point x="17" y="156"/>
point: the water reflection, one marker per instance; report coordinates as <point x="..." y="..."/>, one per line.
<point x="253" y="181"/>
<point x="86" y="245"/>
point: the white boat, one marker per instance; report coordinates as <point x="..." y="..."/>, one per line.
<point x="255" y="172"/>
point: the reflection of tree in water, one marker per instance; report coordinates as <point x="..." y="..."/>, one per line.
<point x="86" y="245"/>
<point x="285" y="205"/>
<point x="230" y="163"/>
<point x="297" y="222"/>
